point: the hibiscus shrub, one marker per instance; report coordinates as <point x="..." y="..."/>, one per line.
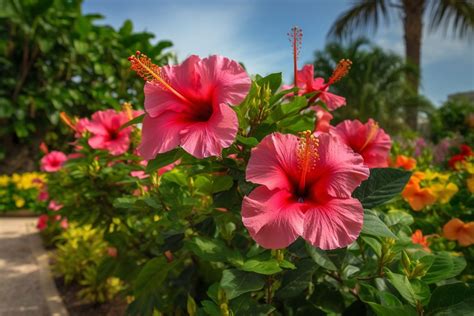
<point x="235" y="196"/>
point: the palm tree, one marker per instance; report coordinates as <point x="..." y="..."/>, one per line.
<point x="376" y="87"/>
<point x="456" y="16"/>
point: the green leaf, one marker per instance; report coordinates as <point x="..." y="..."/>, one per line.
<point x="267" y="267"/>
<point x="394" y="217"/>
<point x="285" y="110"/>
<point x="191" y="306"/>
<point x="164" y="159"/>
<point x="273" y="80"/>
<point x="403" y="286"/>
<point x="244" y="305"/>
<point x="133" y="121"/>
<point x="382" y="310"/>
<point x="152" y="275"/>
<point x="213" y="250"/>
<point x="249" y="141"/>
<point x="211" y="308"/>
<point x="422" y="291"/>
<point x="296" y="281"/>
<point x="452" y="299"/>
<point x="222" y="183"/>
<point x="374" y="244"/>
<point x="236" y="282"/>
<point x="444" y="266"/>
<point x="320" y="257"/>
<point x="374" y="226"/>
<point x="328" y="298"/>
<point x="382" y="185"/>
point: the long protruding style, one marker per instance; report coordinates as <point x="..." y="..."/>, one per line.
<point x="295" y="36"/>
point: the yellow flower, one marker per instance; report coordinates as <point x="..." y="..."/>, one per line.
<point x="28" y="180"/>
<point x="444" y="192"/>
<point x="4" y="180"/>
<point x="470" y="167"/>
<point x="19" y="201"/>
<point x="470" y="184"/>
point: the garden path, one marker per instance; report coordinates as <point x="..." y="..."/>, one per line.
<point x="22" y="279"/>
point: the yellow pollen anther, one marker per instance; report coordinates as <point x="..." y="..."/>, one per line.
<point x="373" y="129"/>
<point x="307" y="156"/>
<point x="127" y="108"/>
<point x="342" y="69"/>
<point x="145" y="68"/>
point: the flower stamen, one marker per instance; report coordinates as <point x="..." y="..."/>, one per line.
<point x="307" y="156"/>
<point x="373" y="129"/>
<point x="145" y="68"/>
<point x="341" y="70"/>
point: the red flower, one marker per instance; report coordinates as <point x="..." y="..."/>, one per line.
<point x="455" y="160"/>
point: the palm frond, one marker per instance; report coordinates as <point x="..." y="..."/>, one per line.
<point x="363" y="16"/>
<point x="453" y="15"/>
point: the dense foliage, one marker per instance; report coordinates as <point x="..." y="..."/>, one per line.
<point x="177" y="242"/>
<point x="54" y="58"/>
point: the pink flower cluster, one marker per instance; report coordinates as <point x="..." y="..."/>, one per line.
<point x="305" y="183"/>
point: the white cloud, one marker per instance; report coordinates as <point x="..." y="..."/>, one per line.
<point x="214" y="29"/>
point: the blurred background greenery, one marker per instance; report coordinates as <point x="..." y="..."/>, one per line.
<point x="55" y="58"/>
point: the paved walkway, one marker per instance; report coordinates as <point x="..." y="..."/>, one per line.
<point x="23" y="281"/>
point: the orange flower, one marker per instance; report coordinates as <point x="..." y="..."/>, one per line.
<point x="418" y="238"/>
<point x="456" y="229"/>
<point x="417" y="196"/>
<point x="405" y="162"/>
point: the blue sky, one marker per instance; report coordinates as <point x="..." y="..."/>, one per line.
<point x="254" y="32"/>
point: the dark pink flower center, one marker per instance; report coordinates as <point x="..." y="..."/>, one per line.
<point x="199" y="111"/>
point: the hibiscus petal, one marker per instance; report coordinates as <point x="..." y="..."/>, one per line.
<point x="224" y="78"/>
<point x="119" y="145"/>
<point x="100" y="121"/>
<point x="159" y="100"/>
<point x="183" y="78"/>
<point x="97" y="141"/>
<point x="335" y="224"/>
<point x="273" y="220"/>
<point x="331" y="100"/>
<point x="339" y="170"/>
<point x="160" y="134"/>
<point x="205" y="139"/>
<point x="305" y="78"/>
<point x="273" y="161"/>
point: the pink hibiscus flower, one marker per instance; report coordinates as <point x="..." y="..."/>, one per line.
<point x="305" y="190"/>
<point x="43" y="195"/>
<point x="106" y="132"/>
<point x="306" y="83"/>
<point x="323" y="119"/>
<point x="53" y="161"/>
<point x="54" y="206"/>
<point x="367" y="139"/>
<point x="81" y="127"/>
<point x="188" y="105"/>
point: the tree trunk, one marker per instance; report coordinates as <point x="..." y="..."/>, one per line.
<point x="413" y="28"/>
